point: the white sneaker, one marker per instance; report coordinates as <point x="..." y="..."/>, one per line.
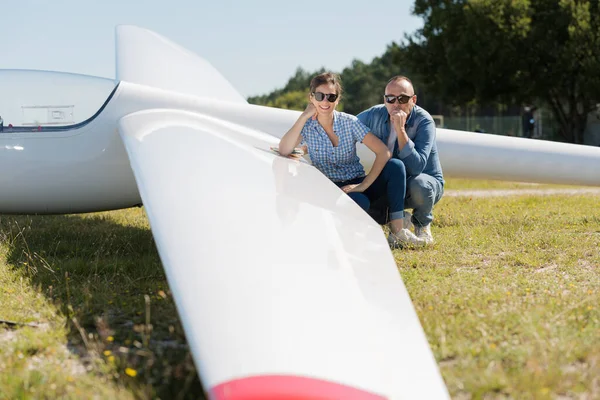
<point x="424" y="232"/>
<point x="404" y="238"/>
<point x="407" y="222"/>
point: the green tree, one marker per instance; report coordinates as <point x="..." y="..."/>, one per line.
<point x="300" y="82"/>
<point x="294" y="100"/>
<point x="364" y="84"/>
<point x="512" y="51"/>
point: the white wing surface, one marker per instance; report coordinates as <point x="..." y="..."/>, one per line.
<point x="285" y="287"/>
<point x="486" y="156"/>
<point x="147" y="58"/>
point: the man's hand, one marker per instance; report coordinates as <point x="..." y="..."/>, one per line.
<point x="353" y="188"/>
<point x="398" y="118"/>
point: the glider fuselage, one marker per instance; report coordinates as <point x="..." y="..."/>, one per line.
<point x="66" y="169"/>
<point x="84" y="167"/>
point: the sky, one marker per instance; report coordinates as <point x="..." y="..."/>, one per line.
<point x="256" y="45"/>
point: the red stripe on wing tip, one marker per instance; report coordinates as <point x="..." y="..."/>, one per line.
<point x="284" y="387"/>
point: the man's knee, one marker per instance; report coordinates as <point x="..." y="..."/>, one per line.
<point x="420" y="191"/>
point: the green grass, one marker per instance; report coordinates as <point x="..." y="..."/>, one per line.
<point x="508" y="297"/>
<point x="107" y="322"/>
<point x="481" y="184"/>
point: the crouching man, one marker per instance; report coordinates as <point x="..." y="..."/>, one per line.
<point x="409" y="132"/>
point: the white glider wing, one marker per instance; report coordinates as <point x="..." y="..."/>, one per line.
<point x="285" y="287"/>
<point x="147" y="58"/>
<point x="486" y="156"/>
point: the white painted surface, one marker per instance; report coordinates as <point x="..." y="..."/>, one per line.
<point x="145" y="57"/>
<point x="485" y="156"/>
<point x="77" y="170"/>
<point x="23" y="94"/>
<point x="274" y="269"/>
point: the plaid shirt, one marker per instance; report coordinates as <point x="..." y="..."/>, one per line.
<point x="339" y="163"/>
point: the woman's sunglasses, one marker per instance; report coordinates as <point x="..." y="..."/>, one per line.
<point x="320" y="96"/>
<point x="402" y="99"/>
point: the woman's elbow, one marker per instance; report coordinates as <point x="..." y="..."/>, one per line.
<point x="284" y="150"/>
<point x="385" y="154"/>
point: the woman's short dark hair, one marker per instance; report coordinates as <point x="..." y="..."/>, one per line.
<point x="326" y="78"/>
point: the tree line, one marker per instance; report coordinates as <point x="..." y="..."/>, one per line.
<point x="483" y="54"/>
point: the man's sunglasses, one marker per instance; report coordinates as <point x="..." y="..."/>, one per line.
<point x="402" y="99"/>
<point x="320" y="96"/>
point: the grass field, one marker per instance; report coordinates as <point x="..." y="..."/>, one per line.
<point x="508" y="296"/>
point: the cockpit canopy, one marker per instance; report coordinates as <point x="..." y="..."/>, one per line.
<point x="42" y="100"/>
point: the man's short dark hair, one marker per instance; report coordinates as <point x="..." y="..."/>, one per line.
<point x="399" y="78"/>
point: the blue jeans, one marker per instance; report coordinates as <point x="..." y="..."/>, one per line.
<point x="422" y="193"/>
<point x="390" y="186"/>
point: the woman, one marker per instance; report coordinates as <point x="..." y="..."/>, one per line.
<point x="331" y="137"/>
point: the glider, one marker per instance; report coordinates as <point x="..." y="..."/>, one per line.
<point x="286" y="289"/>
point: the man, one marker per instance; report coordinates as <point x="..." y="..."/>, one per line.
<point x="528" y="122"/>
<point x="409" y="132"/>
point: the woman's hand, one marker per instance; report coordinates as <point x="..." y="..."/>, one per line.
<point x="353" y="188"/>
<point x="310" y="111"/>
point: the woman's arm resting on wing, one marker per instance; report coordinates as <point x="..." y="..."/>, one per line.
<point x="292" y="137"/>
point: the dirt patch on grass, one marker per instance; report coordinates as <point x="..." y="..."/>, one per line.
<point x="520" y="192"/>
<point x="546" y="268"/>
<point x="8" y="336"/>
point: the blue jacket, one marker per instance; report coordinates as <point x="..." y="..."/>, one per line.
<point x="420" y="155"/>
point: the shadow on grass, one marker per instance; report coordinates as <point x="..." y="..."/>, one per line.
<point x="108" y="282"/>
